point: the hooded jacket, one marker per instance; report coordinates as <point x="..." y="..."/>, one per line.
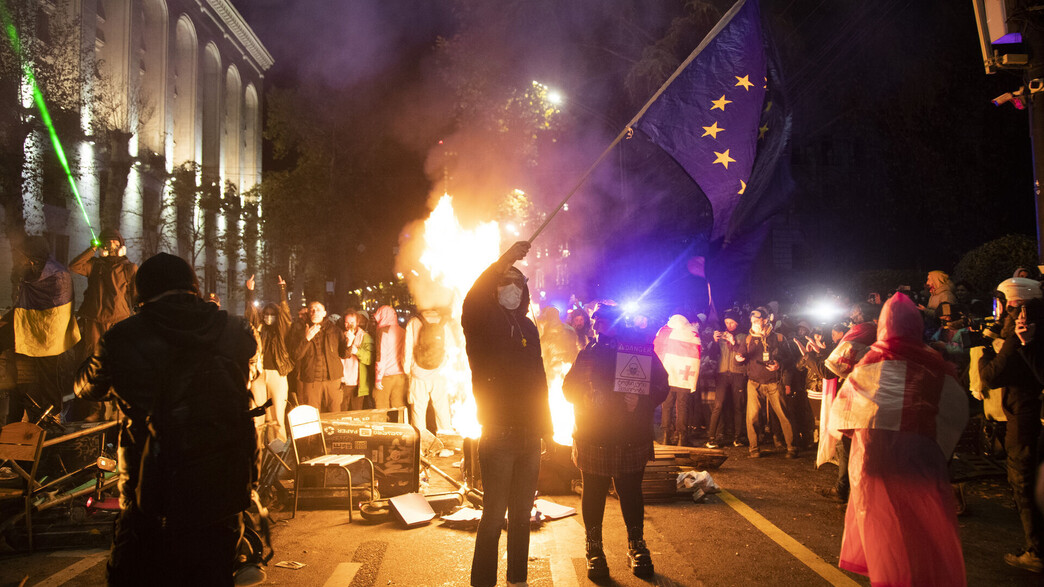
<point x="679" y="348"/>
<point x="133" y="359"/>
<point x="109" y="296"/>
<point x="902" y="384"/>
<point x="940" y="284"/>
<point x="391" y="343"/>
<point x="503" y="347"/>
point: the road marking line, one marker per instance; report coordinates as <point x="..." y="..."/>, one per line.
<point x="343" y="575"/>
<point x="66" y="574"/>
<point x="568" y="536"/>
<point x="801" y="552"/>
<point x="78" y="553"/>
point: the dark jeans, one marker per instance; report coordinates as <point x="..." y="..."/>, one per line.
<point x="772" y="394"/>
<point x="1020" y="442"/>
<point x="632" y="503"/>
<point x="801" y="417"/>
<point x="39" y="387"/>
<point x="728" y="400"/>
<point x="676" y="415"/>
<point x="510" y="462"/>
<point x="352" y="400"/>
<point x="144" y="554"/>
<point x="842" y="450"/>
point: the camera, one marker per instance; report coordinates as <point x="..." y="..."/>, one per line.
<point x="1014" y="97"/>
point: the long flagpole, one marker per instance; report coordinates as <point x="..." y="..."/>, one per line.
<point x="627" y="129"/>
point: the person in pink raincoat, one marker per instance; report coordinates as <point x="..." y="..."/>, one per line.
<point x="904" y="410"/>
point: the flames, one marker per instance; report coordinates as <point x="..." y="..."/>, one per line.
<point x="561" y="410"/>
<point x="453" y="257"/>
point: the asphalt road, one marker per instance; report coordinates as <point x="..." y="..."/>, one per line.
<point x="787" y="535"/>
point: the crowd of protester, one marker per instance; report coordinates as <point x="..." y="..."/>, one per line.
<point x="768" y="377"/>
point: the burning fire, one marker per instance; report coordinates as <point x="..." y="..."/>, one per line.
<point x="454" y="257"/>
<point x="561" y="411"/>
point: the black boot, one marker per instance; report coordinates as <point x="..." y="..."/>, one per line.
<point x="641" y="559"/>
<point x="597" y="568"/>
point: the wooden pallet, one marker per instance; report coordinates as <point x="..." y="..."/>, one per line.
<point x="691" y="457"/>
<point x="661" y="473"/>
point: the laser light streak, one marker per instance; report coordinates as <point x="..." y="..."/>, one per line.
<point x="45" y="115"/>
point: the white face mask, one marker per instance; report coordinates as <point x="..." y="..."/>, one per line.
<point x="510" y="296"/>
<point x="270" y="319"/>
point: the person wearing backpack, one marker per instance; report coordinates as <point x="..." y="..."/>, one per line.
<point x="425" y="357"/>
<point x="188" y="450"/>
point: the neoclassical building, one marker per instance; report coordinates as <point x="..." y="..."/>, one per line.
<point x="169" y="134"/>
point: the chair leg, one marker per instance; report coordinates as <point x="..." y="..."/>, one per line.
<point x="29" y="518"/>
<point x="349" y="494"/>
<point x="373" y="480"/>
<point x="297" y="490"/>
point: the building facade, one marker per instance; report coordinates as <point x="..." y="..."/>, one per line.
<point x="168" y="143"/>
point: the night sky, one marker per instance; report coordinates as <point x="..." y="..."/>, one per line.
<point x="899" y="159"/>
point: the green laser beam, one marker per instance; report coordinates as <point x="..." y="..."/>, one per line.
<point x="45" y="115"/>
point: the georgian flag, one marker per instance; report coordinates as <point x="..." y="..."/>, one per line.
<point x="902" y="385"/>
<point x="679" y="348"/>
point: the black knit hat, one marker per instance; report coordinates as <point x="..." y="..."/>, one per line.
<point x="164" y="272"/>
<point x="110" y="234"/>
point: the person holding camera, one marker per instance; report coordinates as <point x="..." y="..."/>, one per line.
<point x="1008" y="368"/>
<point x="767" y="356"/>
<point x="730" y="395"/>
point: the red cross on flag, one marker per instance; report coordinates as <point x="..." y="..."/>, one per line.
<point x="678" y="346"/>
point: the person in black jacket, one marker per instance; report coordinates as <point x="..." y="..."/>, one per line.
<point x="133" y="364"/>
<point x="109" y="298"/>
<point x="510" y="387"/>
<point x="767" y="357"/>
<point x="1008" y="368"/>
<point x="272" y="325"/>
<point x="613" y="438"/>
<point x="317" y="349"/>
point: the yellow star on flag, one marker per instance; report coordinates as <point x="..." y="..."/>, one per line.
<point x="745" y="82"/>
<point x="712" y="130"/>
<point x="724" y="158"/>
<point x="720" y="103"/>
<point x="743" y="187"/>
<point x="761" y="131"/>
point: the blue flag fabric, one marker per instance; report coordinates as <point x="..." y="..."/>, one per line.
<point x="709" y="118"/>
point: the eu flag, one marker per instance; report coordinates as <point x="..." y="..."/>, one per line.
<point x="709" y="118"/>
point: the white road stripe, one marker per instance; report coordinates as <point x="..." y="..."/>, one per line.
<point x="77" y="553"/>
<point x="343" y="575"/>
<point x="569" y="542"/>
<point x="66" y="574"/>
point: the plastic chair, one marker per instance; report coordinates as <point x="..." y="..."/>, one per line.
<point x="304" y="423"/>
<point x="23" y="441"/>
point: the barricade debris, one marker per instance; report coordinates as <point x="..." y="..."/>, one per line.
<point x="292" y="565"/>
<point x="699" y="483"/>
